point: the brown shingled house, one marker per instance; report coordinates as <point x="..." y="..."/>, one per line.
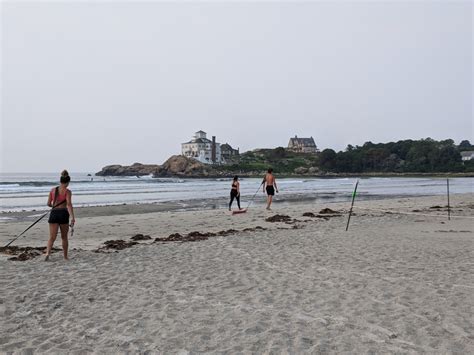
<point x="302" y="145"/>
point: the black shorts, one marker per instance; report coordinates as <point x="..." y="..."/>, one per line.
<point x="270" y="190"/>
<point x="59" y="216"/>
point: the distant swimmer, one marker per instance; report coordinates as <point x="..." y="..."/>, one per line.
<point x="60" y="199"/>
<point x="269" y="185"/>
<point x="235" y="193"/>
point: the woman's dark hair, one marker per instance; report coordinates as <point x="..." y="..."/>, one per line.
<point x="270" y="170"/>
<point x="65" y="178"/>
<point x="236" y="178"/>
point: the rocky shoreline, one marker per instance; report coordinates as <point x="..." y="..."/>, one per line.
<point x="180" y="166"/>
<point x="136" y="169"/>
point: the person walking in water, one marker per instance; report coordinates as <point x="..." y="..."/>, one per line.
<point x="235" y="193"/>
<point x="60" y="199"/>
<point x="269" y="185"/>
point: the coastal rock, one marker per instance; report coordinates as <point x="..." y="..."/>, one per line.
<point x="301" y="170"/>
<point x="136" y="169"/>
<point x="179" y="165"/>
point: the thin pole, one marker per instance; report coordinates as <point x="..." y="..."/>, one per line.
<point x="449" y="207"/>
<point x="256" y="192"/>
<point x="39" y="219"/>
<point x="352" y="204"/>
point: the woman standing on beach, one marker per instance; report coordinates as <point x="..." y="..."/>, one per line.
<point x="235" y="193"/>
<point x="61" y="202"/>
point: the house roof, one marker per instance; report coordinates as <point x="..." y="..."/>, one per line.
<point x="226" y="146"/>
<point x="199" y="140"/>
<point x="307" y="142"/>
<point x="467" y="153"/>
<point x="200" y="132"/>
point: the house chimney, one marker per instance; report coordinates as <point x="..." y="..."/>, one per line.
<point x="213" y="151"/>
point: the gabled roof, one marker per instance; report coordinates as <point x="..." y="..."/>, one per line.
<point x="199" y="140"/>
<point x="467" y="153"/>
<point x="307" y="142"/>
<point x="226" y="146"/>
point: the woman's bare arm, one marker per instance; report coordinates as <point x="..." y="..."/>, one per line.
<point x="50" y="200"/>
<point x="69" y="206"/>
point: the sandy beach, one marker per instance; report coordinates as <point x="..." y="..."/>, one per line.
<point x="394" y="283"/>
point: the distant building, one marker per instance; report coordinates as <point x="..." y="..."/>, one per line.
<point x="302" y="145"/>
<point x="467" y="155"/>
<point x="227" y="152"/>
<point x="202" y="149"/>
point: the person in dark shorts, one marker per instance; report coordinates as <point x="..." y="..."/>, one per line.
<point x="269" y="186"/>
<point x="60" y="199"/>
<point x="235" y="193"/>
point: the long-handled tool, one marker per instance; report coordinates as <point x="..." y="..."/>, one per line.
<point x="250" y="202"/>
<point x="27" y="229"/>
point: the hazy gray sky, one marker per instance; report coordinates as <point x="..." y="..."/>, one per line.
<point x="87" y="84"/>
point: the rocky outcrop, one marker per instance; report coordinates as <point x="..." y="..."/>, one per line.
<point x="301" y="170"/>
<point x="179" y="165"/>
<point x="136" y="169"/>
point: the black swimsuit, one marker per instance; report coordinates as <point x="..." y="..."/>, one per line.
<point x="234" y="194"/>
<point x="270" y="190"/>
<point x="59" y="215"/>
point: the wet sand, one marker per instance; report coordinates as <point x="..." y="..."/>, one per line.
<point x="394" y="283"/>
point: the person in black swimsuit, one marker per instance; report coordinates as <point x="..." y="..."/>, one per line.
<point x="235" y="193"/>
<point x="60" y="199"/>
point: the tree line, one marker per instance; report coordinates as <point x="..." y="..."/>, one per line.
<point x="405" y="156"/>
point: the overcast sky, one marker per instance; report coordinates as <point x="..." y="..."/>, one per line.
<point x="88" y="84"/>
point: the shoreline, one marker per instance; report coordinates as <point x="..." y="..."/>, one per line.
<point x="328" y="175"/>
<point x="196" y="205"/>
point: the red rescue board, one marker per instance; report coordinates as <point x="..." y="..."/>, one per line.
<point x="239" y="211"/>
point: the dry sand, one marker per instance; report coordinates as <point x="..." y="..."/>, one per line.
<point x="393" y="283"/>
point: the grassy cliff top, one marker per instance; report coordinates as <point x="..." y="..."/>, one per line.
<point x="279" y="159"/>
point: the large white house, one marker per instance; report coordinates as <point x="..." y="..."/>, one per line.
<point x="202" y="149"/>
<point x="467" y="155"/>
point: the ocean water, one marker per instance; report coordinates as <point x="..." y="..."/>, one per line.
<point x="30" y="191"/>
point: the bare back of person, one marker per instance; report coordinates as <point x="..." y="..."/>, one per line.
<point x="269" y="179"/>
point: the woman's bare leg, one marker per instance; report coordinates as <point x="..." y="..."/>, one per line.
<point x="53" y="232"/>
<point x="64" y="231"/>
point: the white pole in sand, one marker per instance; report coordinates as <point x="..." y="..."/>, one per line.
<point x="449" y="207"/>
